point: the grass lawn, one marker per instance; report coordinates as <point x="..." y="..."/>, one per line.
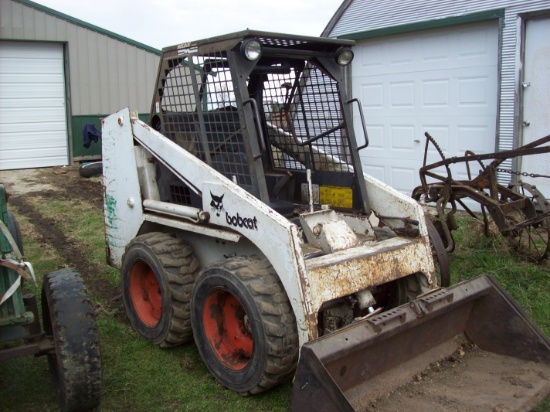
<point x="140" y="377"/>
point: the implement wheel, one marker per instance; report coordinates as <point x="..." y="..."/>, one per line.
<point x="158" y="271"/>
<point x="441" y="258"/>
<point x="244" y="326"/>
<point x="531" y="234"/>
<point x="70" y="321"/>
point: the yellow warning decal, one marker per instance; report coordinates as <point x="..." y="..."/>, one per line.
<point x="336" y="196"/>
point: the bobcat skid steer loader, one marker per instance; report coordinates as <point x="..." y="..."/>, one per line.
<point x="240" y="217"/>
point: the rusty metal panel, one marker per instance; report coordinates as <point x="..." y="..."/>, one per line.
<point x="373" y="263"/>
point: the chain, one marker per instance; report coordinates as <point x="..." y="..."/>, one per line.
<point x="525" y="174"/>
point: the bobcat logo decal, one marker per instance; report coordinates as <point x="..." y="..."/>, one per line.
<point x="236" y="220"/>
<point x="217" y="203"/>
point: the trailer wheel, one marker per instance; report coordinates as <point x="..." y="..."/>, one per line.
<point x="531" y="240"/>
<point x="158" y="272"/>
<point x="69" y="319"/>
<point x="244" y="326"/>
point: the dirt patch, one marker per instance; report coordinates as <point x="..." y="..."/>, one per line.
<point x="471" y="380"/>
<point x="60" y="183"/>
<point x="54" y="182"/>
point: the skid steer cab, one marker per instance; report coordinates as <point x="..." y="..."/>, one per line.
<point x="240" y="216"/>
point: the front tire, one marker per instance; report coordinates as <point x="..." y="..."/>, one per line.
<point x="244" y="326"/>
<point x="158" y="272"/>
<point x="69" y="319"/>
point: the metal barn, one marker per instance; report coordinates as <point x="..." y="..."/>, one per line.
<point x="475" y="74"/>
<point x="58" y="73"/>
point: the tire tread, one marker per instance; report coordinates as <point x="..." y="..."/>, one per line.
<point x="68" y="315"/>
<point x="180" y="269"/>
<point x="276" y="314"/>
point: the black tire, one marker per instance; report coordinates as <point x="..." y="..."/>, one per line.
<point x="69" y="319"/>
<point x="158" y="272"/>
<point x="244" y="326"/>
<point x="15" y="232"/>
<point x="90" y="169"/>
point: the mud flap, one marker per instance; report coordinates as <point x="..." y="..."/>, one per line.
<point x="355" y="367"/>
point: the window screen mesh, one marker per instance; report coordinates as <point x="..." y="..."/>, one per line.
<point x="304" y="106"/>
<point x="301" y="112"/>
<point x="199" y="113"/>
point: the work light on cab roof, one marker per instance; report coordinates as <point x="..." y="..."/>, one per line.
<point x="251" y="49"/>
<point x="344" y="56"/>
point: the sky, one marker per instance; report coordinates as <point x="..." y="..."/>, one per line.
<point x="162" y="23"/>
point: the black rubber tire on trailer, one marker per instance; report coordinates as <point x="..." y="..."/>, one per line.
<point x="90" y="169"/>
<point x="244" y="326"/>
<point x="69" y="319"/>
<point x="15" y="231"/>
<point x="158" y="272"/>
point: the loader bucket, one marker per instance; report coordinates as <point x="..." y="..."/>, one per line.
<point x="467" y="347"/>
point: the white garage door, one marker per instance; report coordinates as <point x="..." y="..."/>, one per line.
<point x="33" y="126"/>
<point x="443" y="81"/>
<point x="536" y="100"/>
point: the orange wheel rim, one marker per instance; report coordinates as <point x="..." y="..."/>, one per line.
<point x="228" y="330"/>
<point x="145" y="294"/>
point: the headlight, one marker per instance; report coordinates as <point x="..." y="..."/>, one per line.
<point x="344" y="57"/>
<point x="251" y="49"/>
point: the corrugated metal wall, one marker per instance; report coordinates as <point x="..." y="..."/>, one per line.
<point x="106" y="74"/>
<point x="367" y="15"/>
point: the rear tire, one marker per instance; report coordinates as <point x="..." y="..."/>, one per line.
<point x="244" y="326"/>
<point x="158" y="272"/>
<point x="69" y="318"/>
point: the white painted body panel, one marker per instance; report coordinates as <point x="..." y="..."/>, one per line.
<point x="122" y="197"/>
